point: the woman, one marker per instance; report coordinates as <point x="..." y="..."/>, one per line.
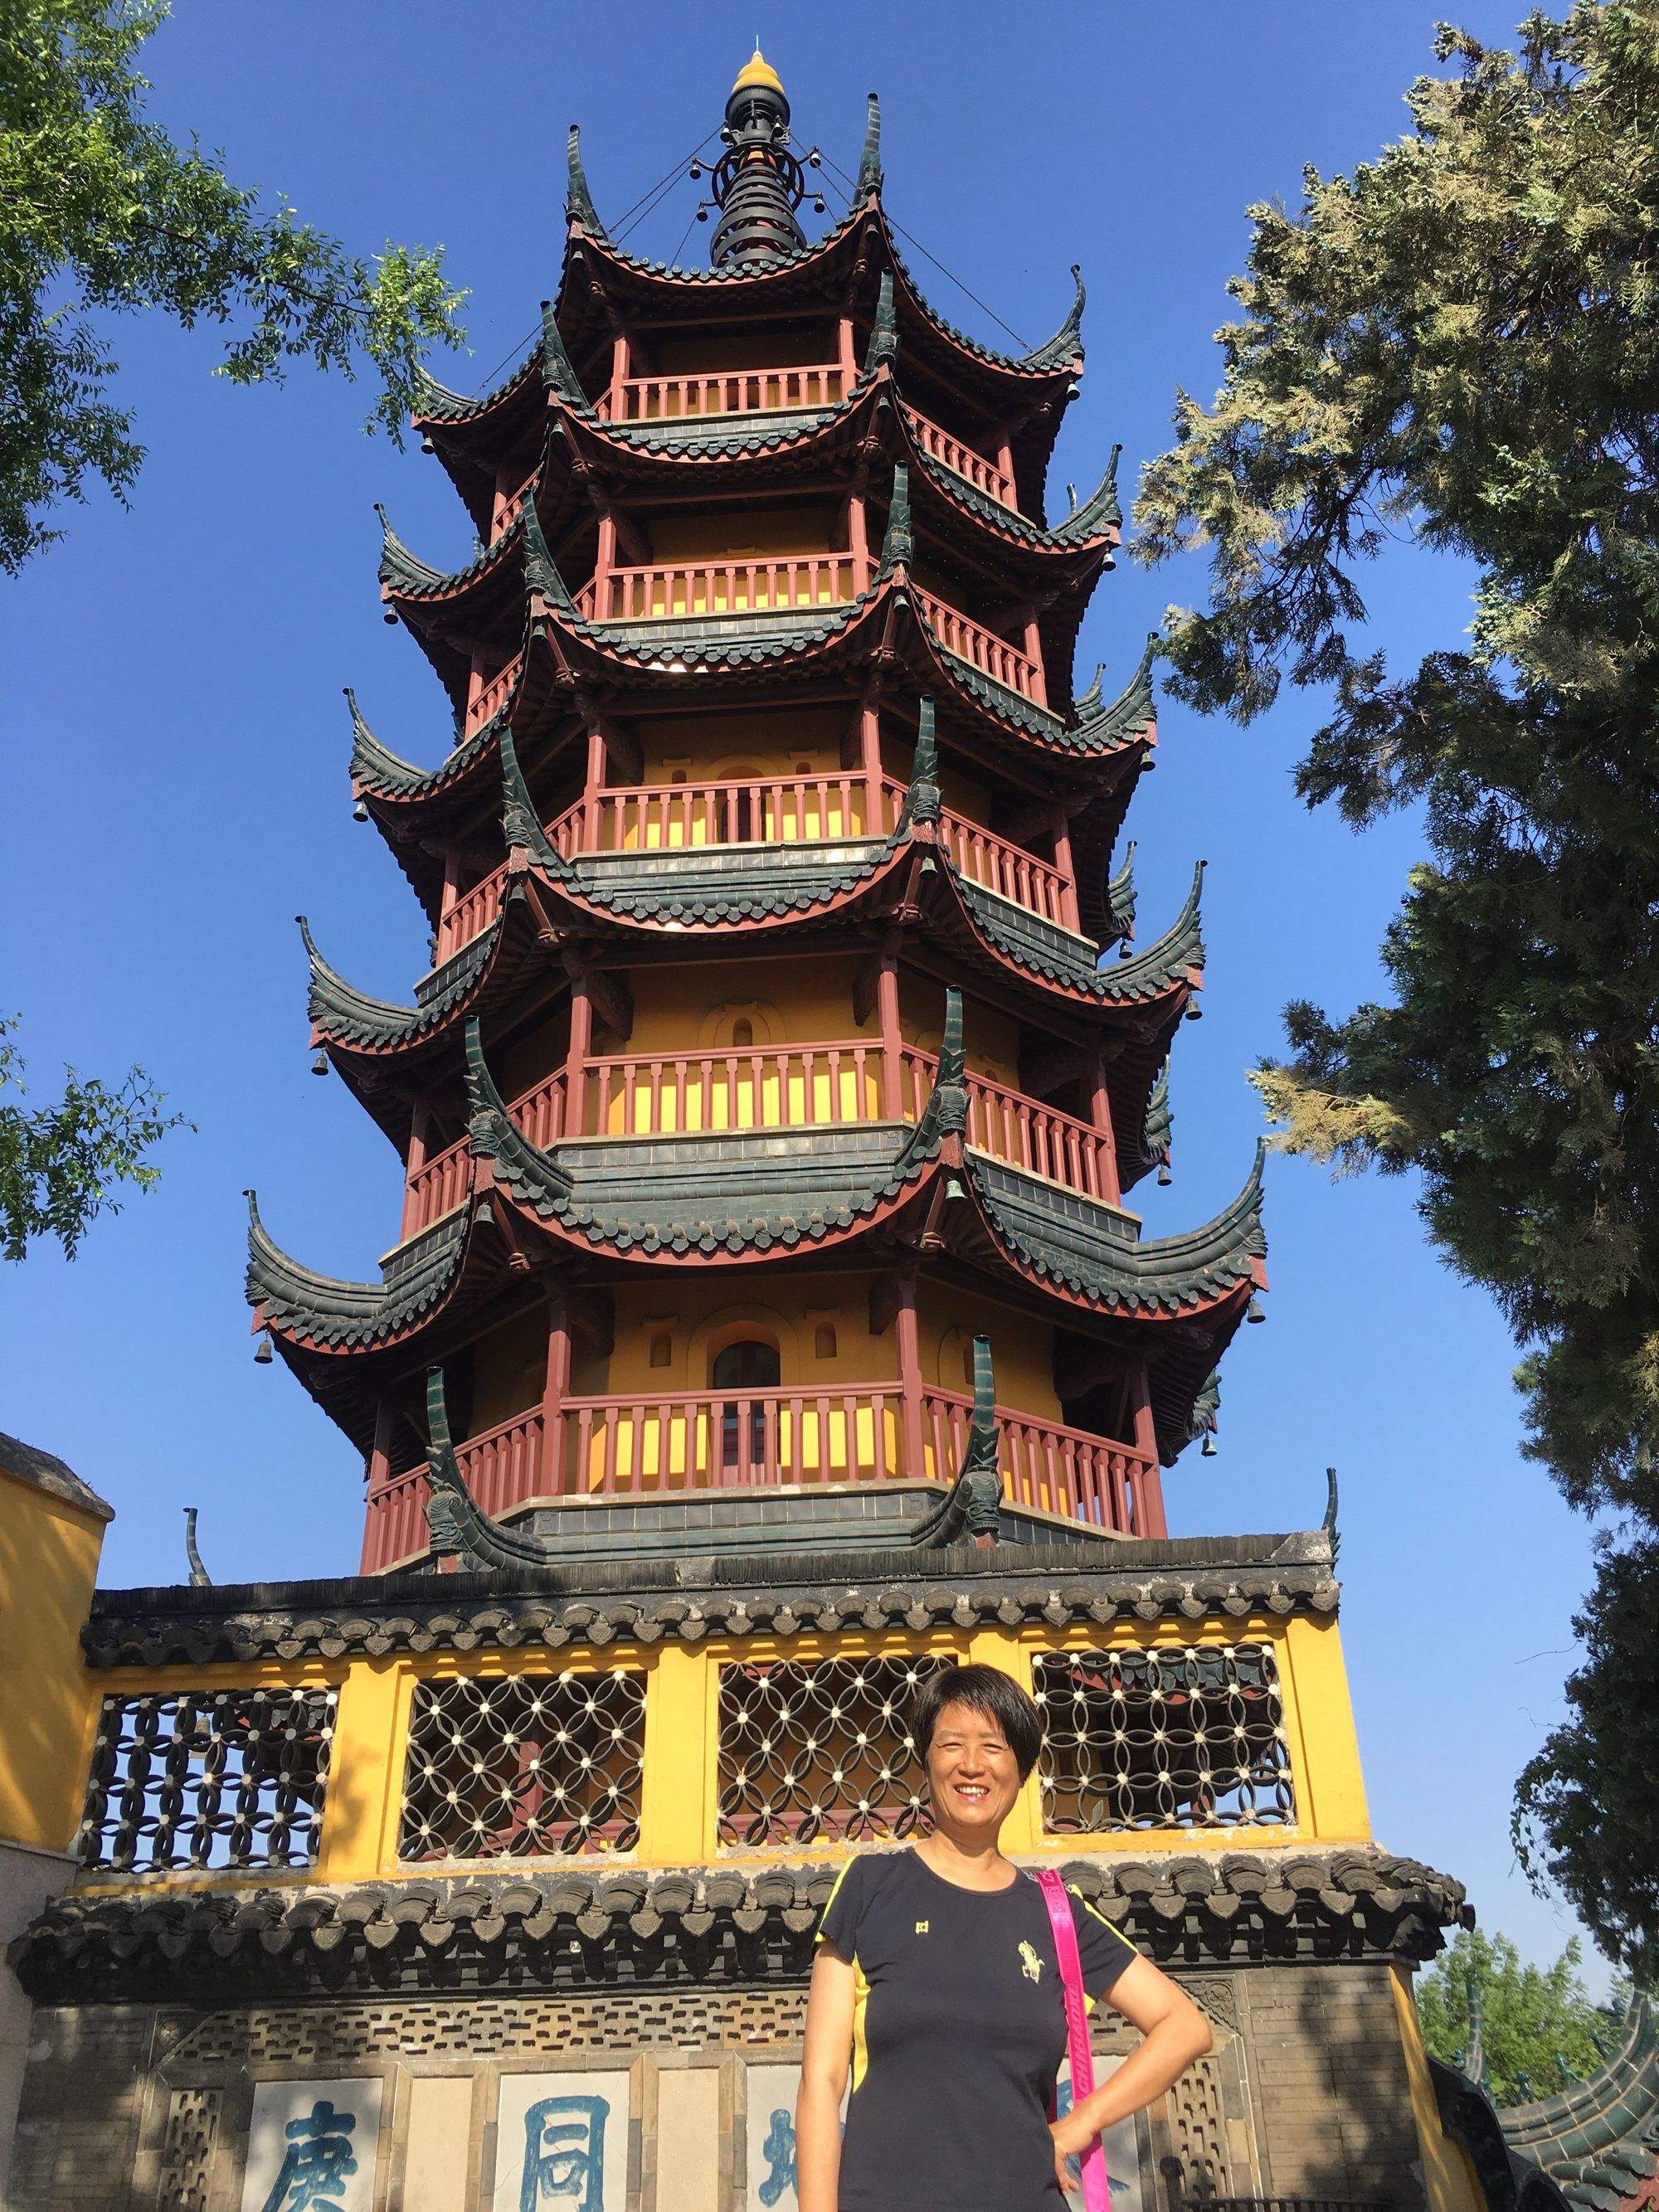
<point x="936" y="1982"/>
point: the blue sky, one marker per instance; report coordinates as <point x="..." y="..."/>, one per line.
<point x="177" y="771"/>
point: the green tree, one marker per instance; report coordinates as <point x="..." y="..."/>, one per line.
<point x="62" y="1165"/>
<point x="1585" y="1811"/>
<point x="1538" y="2027"/>
<point x="102" y="213"/>
<point x="1458" y="346"/>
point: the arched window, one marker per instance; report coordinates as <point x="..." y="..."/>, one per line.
<point x="662" y="1349"/>
<point x="744" y="1368"/>
<point x="823" y="1340"/>
<point x="742" y="1034"/>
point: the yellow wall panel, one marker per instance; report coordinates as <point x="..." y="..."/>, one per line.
<point x="48" y="1552"/>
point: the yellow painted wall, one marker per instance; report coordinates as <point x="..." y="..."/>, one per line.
<point x="509" y="1369"/>
<point x="796" y="344"/>
<point x="1021" y="1349"/>
<point x="707" y="747"/>
<point x="743" y="533"/>
<point x="681" y="1759"/>
<point x="1450" y="2179"/>
<point x="990" y="1038"/>
<point x="49" y="1552"/>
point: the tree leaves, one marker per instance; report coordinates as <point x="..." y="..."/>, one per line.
<point x="1459" y="344"/>
<point x="62" y="1165"/>
<point x="1539" y="2027"/>
<point x="102" y="214"/>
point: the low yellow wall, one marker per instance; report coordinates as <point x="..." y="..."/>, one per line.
<point x="48" y="1552"/>
<point x="1449" y="2180"/>
<point x="681" y="1778"/>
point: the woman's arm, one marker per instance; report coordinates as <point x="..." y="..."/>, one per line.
<point x="823" y="2067"/>
<point x="1175" y="2033"/>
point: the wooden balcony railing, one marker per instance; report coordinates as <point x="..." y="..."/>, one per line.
<point x="485" y="699"/>
<point x="787" y="1086"/>
<point x="986" y="859"/>
<point x="797" y="810"/>
<point x="609" y="1447"/>
<point x="473" y="911"/>
<point x="439" y="1183"/>
<point x="1048" y="1467"/>
<point x="730" y="392"/>
<point x="784" y="1086"/>
<point x="1013" y="1128"/>
<point x="983" y="649"/>
<point x="687" y="590"/>
<point x="763" y="811"/>
<point x="720" y="1439"/>
<point x="963" y="461"/>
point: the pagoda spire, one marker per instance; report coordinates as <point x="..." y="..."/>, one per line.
<point x="757" y="182"/>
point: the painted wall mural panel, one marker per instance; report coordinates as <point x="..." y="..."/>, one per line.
<point x="561" y="2144"/>
<point x="312" y="2147"/>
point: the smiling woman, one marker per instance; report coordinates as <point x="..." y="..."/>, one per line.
<point x="937" y="1988"/>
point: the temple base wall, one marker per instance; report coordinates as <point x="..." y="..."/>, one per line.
<point x="142" y="2106"/>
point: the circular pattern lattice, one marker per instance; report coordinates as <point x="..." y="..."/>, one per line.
<point x="810" y="1751"/>
<point x="524" y="1765"/>
<point x="1174" y="1736"/>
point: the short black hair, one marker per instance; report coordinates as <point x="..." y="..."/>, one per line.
<point x="984" y="1690"/>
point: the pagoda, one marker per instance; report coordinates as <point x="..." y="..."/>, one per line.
<point x="767" y="1323"/>
<point x="784" y="1051"/>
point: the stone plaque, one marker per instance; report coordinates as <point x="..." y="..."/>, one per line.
<point x="561" y="2144"/>
<point x="312" y="2144"/>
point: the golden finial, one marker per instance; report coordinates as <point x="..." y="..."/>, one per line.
<point x="757" y="71"/>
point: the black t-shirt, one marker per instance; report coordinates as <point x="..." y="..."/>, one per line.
<point x="958" y="2034"/>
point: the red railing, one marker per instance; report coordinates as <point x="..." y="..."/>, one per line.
<point x="440" y="1183"/>
<point x="987" y="859"/>
<point x="992" y="656"/>
<point x="1013" y="1128"/>
<point x="472" y="911"/>
<point x="728" y="1439"/>
<point x="730" y="392"/>
<point x="763" y="809"/>
<point x="963" y="461"/>
<point x="610" y="1447"/>
<point x="782" y="1086"/>
<point x="797" y="810"/>
<point x="1049" y="1467"/>
<point x="484" y="699"/>
<point x="686" y="590"/>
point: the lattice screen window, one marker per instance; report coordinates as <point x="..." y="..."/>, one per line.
<point x="1176" y="1736"/>
<point x="814" y="1749"/>
<point x="524" y="1765"/>
<point x="208" y="1778"/>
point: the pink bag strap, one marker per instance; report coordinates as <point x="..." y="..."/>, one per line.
<point x="1097" y="2188"/>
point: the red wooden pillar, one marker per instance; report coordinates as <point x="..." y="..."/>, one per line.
<point x="870" y="760"/>
<point x="377" y="1473"/>
<point x="846" y="353"/>
<point x="420" y="1125"/>
<point x="1070" y="912"/>
<point x="857" y="535"/>
<point x="596" y="780"/>
<point x="1034" y="655"/>
<point x="1100" y="1117"/>
<point x="603" y="561"/>
<point x="447" y="899"/>
<point x="1149" y="1481"/>
<point x="555" y="1390"/>
<point x="892" y="1038"/>
<point x="622" y="368"/>
<point x="1006" y="454"/>
<point x="576" y="1060"/>
<point x="909" y="1368"/>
